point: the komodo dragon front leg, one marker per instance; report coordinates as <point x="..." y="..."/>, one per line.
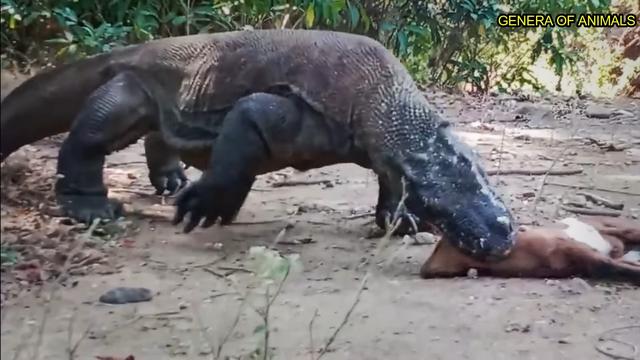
<point x="261" y="133"/>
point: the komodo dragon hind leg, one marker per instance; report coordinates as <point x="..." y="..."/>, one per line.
<point x="163" y="161"/>
<point x="115" y="115"/>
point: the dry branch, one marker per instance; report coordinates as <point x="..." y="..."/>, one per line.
<point x="593" y="212"/>
<point x="572" y="186"/>
<point x="300" y="183"/>
<point x="359" y="216"/>
<point x="599" y="200"/>
<point x="532" y="172"/>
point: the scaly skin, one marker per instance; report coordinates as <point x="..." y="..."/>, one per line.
<point x="359" y="105"/>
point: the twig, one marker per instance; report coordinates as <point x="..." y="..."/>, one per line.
<point x="125" y="163"/>
<point x="498" y="172"/>
<point x="226" y="337"/>
<point x="532" y="172"/>
<point x="279" y="237"/>
<point x="285" y="21"/>
<point x="608" y="353"/>
<point x="207" y="264"/>
<point x="265" y="314"/>
<point x="314" y="222"/>
<point x="135" y="192"/>
<point x="72" y="349"/>
<point x="544" y="178"/>
<point x="599" y="200"/>
<point x="593" y="188"/>
<point x="392" y="226"/>
<point x="359" y="216"/>
<point x="345" y="319"/>
<point x="300" y="183"/>
<point x="214" y="273"/>
<point x="231" y="268"/>
<point x="260" y="189"/>
<point x="259" y="222"/>
<point x="312" y="347"/>
<point x="593" y="212"/>
<point x="303" y="241"/>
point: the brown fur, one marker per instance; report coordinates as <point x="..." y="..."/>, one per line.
<point x="542" y="252"/>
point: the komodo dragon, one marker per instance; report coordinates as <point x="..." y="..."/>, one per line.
<point x="240" y="104"/>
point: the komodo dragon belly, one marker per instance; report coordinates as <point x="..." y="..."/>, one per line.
<point x="200" y="159"/>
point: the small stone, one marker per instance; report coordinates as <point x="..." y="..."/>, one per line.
<point x="425" y="238"/>
<point x="472" y="273"/>
<point x="524" y="137"/>
<point x="126" y="295"/>
<point x="598" y="112"/>
<point x="183" y="306"/>
<point x="515" y="327"/>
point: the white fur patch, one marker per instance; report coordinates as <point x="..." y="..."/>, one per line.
<point x="632" y="256"/>
<point x="586" y="234"/>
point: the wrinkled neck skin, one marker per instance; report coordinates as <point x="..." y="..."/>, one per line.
<point x="447" y="188"/>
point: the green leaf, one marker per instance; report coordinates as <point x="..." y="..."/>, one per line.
<point x="547" y="38"/>
<point x="8" y="257"/>
<point x="259" y="329"/>
<point x="403" y="42"/>
<point x="419" y="30"/>
<point x="310" y="15"/>
<point x="387" y="26"/>
<point x="179" y="20"/>
<point x="354" y="15"/>
<point x="535" y="53"/>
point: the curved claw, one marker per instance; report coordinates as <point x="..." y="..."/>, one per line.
<point x="211" y="200"/>
<point x="86" y="208"/>
<point x="172" y="180"/>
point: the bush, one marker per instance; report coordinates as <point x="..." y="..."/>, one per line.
<point x="444" y="42"/>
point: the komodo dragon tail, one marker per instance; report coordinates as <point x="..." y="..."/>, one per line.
<point x="47" y="103"/>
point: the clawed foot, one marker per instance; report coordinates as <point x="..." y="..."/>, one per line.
<point x="210" y="199"/>
<point x="171" y="179"/>
<point x="87" y="208"/>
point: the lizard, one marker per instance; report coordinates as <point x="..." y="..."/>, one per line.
<point x="239" y="104"/>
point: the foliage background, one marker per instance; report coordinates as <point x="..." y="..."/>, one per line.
<point x="443" y="42"/>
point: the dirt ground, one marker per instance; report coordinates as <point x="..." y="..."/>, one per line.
<point x="198" y="289"/>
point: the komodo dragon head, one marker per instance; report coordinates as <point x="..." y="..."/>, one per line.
<point x="447" y="187"/>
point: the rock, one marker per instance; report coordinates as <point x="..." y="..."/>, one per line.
<point x="126" y="295"/>
<point x="524" y="137"/>
<point x="472" y="273"/>
<point x="535" y="112"/>
<point x="515" y="327"/>
<point x="425" y="238"/>
<point x="598" y="112"/>
<point x="575" y="286"/>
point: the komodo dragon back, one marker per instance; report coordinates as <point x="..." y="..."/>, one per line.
<point x="349" y="78"/>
